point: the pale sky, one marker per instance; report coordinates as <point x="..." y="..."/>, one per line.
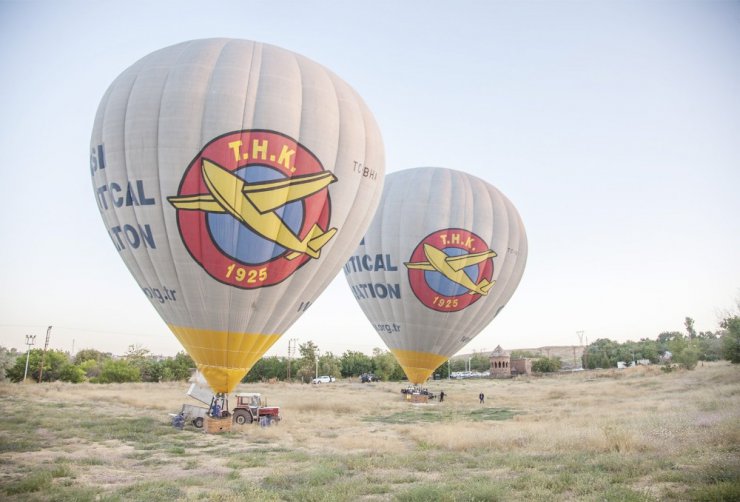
<point x="613" y="127"/>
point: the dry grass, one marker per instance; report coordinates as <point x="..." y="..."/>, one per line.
<point x="634" y="434"/>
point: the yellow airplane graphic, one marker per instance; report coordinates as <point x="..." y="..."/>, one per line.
<point x="254" y="205"/>
<point x="452" y="267"/>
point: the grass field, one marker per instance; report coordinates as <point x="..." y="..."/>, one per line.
<point x="634" y="434"/>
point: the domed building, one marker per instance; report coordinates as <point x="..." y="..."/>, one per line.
<point x="500" y="363"/>
<point x="502" y="366"/>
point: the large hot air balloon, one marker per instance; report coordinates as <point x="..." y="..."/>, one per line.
<point x="234" y="179"/>
<point x="443" y="255"/>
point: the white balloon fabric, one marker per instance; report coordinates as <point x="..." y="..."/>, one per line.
<point x="234" y="179"/>
<point x="443" y="255"/>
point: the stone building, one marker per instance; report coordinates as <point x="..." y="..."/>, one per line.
<point x="500" y="363"/>
<point x="521" y="366"/>
<point x="503" y="366"/>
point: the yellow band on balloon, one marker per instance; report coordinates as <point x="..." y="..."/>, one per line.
<point x="418" y="366"/>
<point x="224" y="357"/>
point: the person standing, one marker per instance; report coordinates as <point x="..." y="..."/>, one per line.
<point x="441" y="396"/>
<point x="481" y="397"/>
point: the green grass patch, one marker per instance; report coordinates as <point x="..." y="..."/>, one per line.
<point x="440" y="415"/>
<point x="323" y="473"/>
<point x="19" y="444"/>
<point x="34" y="482"/>
<point x="474" y="491"/>
<point x="91" y="461"/>
<point x="724" y="490"/>
<point x="248" y="461"/>
<point x="150" y="490"/>
<point x="492" y="414"/>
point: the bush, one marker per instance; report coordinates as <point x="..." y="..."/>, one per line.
<point x="687" y="358"/>
<point x="72" y="373"/>
<point x="546" y="365"/>
<point x="119" y="371"/>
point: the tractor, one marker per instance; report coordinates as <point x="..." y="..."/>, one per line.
<point x="250" y="409"/>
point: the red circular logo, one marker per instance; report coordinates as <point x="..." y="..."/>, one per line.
<point x="253" y="206"/>
<point x="451" y="269"/>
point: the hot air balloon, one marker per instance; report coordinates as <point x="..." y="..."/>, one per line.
<point x="443" y="255"/>
<point x="234" y="179"/>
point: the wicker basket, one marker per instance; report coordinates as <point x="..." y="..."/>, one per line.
<point x="216" y="425"/>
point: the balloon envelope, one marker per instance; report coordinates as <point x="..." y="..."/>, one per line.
<point x="234" y="179"/>
<point x="443" y="255"/>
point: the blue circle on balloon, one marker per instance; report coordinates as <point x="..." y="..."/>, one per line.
<point x="445" y="287"/>
<point x="240" y="242"/>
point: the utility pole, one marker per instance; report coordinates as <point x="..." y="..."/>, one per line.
<point x="583" y="356"/>
<point x="43" y="355"/>
<point x="317" y="363"/>
<point x="291" y="351"/>
<point x="30" y="340"/>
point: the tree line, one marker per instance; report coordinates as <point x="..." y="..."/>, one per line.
<point x="139" y="365"/>
<point x="90" y="365"/>
<point x="671" y="347"/>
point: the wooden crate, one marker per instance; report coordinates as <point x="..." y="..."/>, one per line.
<point x="216" y="425"/>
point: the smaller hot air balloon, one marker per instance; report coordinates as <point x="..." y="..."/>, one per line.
<point x="443" y="255"/>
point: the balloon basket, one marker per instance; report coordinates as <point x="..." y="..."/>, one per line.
<point x="417" y="398"/>
<point x="216" y="425"/>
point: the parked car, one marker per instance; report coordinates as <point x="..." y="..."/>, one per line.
<point x="323" y="379"/>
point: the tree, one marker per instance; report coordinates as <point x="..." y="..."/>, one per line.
<point x="709" y="346"/>
<point x="92" y="369"/>
<point x="178" y="368"/>
<point x="150" y="370"/>
<point x="329" y="364"/>
<point x="306" y="365"/>
<point x="354" y="364"/>
<point x="731" y="339"/>
<point x="7" y="360"/>
<point x="91" y="355"/>
<point x="604" y="353"/>
<point x="480" y="362"/>
<point x="687" y="357"/>
<point x="443" y="371"/>
<point x="72" y="373"/>
<point x="267" y="368"/>
<point x="647" y="349"/>
<point x="136" y="353"/>
<point x="689" y="323"/>
<point x="458" y="364"/>
<point x="667" y="337"/>
<point x="386" y="366"/>
<point x="546" y="365"/>
<point x="54" y="362"/>
<point x="118" y="371"/>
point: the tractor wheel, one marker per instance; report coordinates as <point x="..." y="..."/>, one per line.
<point x="198" y="422"/>
<point x="242" y="417"/>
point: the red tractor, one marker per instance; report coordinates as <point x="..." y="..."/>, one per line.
<point x="249" y="409"/>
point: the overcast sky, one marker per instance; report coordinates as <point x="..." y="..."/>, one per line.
<point x="613" y="127"/>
